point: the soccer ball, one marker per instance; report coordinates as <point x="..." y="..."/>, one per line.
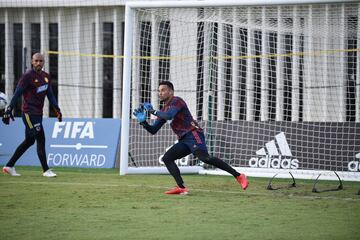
<point x="3" y="101"/>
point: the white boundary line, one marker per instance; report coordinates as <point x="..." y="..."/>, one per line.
<point x="77" y="146"/>
<point x="240" y="192"/>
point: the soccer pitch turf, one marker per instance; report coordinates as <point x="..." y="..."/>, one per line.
<point x="100" y="204"/>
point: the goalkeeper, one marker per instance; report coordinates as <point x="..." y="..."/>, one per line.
<point x="34" y="85"/>
<point x="191" y="136"/>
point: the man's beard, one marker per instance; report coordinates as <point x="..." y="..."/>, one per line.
<point x="163" y="100"/>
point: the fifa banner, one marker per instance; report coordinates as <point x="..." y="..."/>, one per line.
<point x="74" y="142"/>
<point x="289" y="145"/>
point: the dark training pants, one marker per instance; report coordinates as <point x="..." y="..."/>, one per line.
<point x="192" y="142"/>
<point x="33" y="132"/>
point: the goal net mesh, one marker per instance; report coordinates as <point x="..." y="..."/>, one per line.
<point x="274" y="87"/>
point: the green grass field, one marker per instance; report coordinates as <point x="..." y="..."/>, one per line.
<point x="100" y="204"/>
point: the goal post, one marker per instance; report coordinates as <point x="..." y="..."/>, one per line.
<point x="274" y="84"/>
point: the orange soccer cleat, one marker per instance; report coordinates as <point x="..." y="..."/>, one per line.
<point x="242" y="180"/>
<point x="178" y="190"/>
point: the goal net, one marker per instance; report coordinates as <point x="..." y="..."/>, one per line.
<point x="276" y="87"/>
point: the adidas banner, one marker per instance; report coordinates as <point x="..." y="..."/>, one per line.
<point x="280" y="145"/>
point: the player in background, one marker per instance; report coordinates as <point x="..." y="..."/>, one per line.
<point x="190" y="135"/>
<point x="33" y="85"/>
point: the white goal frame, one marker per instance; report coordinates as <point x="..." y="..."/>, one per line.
<point x="130" y="7"/>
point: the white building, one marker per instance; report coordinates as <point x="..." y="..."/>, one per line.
<point x="83" y="45"/>
<point x="74" y="37"/>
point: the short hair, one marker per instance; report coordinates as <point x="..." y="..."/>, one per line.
<point x="167" y="83"/>
<point x="37" y="54"/>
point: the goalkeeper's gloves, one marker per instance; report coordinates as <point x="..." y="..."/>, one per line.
<point x="140" y="114"/>
<point x="149" y="108"/>
<point x="59" y="115"/>
<point x="8" y="115"/>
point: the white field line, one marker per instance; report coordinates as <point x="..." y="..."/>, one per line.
<point x="240" y="192"/>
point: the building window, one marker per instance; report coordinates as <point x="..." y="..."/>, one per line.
<point x="145" y="62"/>
<point x="257" y="74"/>
<point x="287" y="77"/>
<point x="228" y="42"/>
<point x="352" y="23"/>
<point x="243" y="50"/>
<point x="18" y="61"/>
<point x="272" y="75"/>
<point x="2" y="57"/>
<point x="301" y="80"/>
<point x="164" y="51"/>
<point x="200" y="71"/>
<point x="213" y="70"/>
<point x="108" y="69"/>
<point x="53" y="61"/>
<point x="35" y="38"/>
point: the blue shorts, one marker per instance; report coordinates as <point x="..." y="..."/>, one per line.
<point x="194" y="140"/>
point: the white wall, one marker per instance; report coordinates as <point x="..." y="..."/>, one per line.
<point x="80" y="66"/>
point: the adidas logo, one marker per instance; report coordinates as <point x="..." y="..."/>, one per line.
<point x="275" y="154"/>
<point x="354" y="166"/>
